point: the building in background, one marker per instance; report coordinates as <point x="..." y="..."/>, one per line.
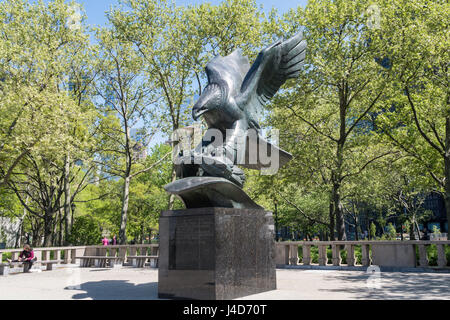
<point x="8" y="232"/>
<point x="139" y="152"/>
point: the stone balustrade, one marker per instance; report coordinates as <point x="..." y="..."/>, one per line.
<point x="407" y="254"/>
<point x="68" y="254"/>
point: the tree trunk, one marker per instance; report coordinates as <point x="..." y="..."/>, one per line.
<point x="337" y="173"/>
<point x="48" y="228"/>
<point x="356" y="228"/>
<point x="338" y="212"/>
<point x="331" y="236"/>
<point x="126" y="186"/>
<point x="61" y="229"/>
<point x="55" y="232"/>
<point x="123" y="222"/>
<point x="418" y="230"/>
<point x="412" y="234"/>
<point x="34" y="235"/>
<point x="67" y="198"/>
<point x="72" y="211"/>
<point x="447" y="173"/>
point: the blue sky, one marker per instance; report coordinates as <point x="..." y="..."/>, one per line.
<point x="95" y="9"/>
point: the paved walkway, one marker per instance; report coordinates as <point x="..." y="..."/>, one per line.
<point x="141" y="284"/>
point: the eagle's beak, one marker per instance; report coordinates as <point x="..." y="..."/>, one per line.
<point x="207" y="101"/>
<point x="198" y="111"/>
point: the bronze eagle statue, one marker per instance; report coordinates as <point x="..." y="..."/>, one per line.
<point x="233" y="102"/>
<point x="237" y="92"/>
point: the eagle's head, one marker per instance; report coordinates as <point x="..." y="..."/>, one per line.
<point x="225" y="77"/>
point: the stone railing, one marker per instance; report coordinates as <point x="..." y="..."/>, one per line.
<point x="379" y="253"/>
<point x="69" y="254"/>
<point x="45" y="254"/>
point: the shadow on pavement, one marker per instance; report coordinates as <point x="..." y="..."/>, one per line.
<point x="116" y="290"/>
<point x="430" y="286"/>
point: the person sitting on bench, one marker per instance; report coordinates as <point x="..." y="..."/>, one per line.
<point x="26" y="257"/>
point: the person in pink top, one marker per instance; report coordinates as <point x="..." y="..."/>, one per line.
<point x="105" y="241"/>
<point x="26" y="256"/>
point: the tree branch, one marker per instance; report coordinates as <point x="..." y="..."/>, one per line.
<point x="416" y="120"/>
<point x="151" y="167"/>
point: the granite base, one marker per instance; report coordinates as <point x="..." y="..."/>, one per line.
<point x="216" y="253"/>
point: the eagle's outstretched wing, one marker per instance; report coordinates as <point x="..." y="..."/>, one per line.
<point x="275" y="64"/>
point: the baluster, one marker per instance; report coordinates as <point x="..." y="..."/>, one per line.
<point x="73" y="254"/>
<point x="306" y="249"/>
<point x="366" y="261"/>
<point x="293" y="260"/>
<point x="66" y="256"/>
<point x="45" y="255"/>
<point x="286" y="254"/>
<point x="423" y="257"/>
<point x="351" y="260"/>
<point x="14" y="255"/>
<point x="133" y="251"/>
<point x="442" y="259"/>
<point x="38" y="255"/>
<point x="323" y="259"/>
<point x="1" y="257"/>
<point x="336" y="251"/>
<point x="58" y="256"/>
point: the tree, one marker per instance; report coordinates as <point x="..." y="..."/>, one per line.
<point x="86" y="231"/>
<point x="149" y="197"/>
<point x="30" y="68"/>
<point x="373" y="231"/>
<point x="391" y="232"/>
<point x="127" y="104"/>
<point x="40" y="118"/>
<point x="333" y="102"/>
<point x="417" y="120"/>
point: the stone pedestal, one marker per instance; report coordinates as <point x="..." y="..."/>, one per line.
<point x="216" y="253"/>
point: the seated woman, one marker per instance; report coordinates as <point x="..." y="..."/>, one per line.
<point x="26" y="257"/>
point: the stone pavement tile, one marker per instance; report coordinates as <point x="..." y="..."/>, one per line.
<point x="356" y="285"/>
<point x="142" y="284"/>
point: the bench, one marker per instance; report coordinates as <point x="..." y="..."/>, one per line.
<point x="98" y="261"/>
<point x="4" y="268"/>
<point x="48" y="263"/>
<point x="140" y="260"/>
<point x="93" y="256"/>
